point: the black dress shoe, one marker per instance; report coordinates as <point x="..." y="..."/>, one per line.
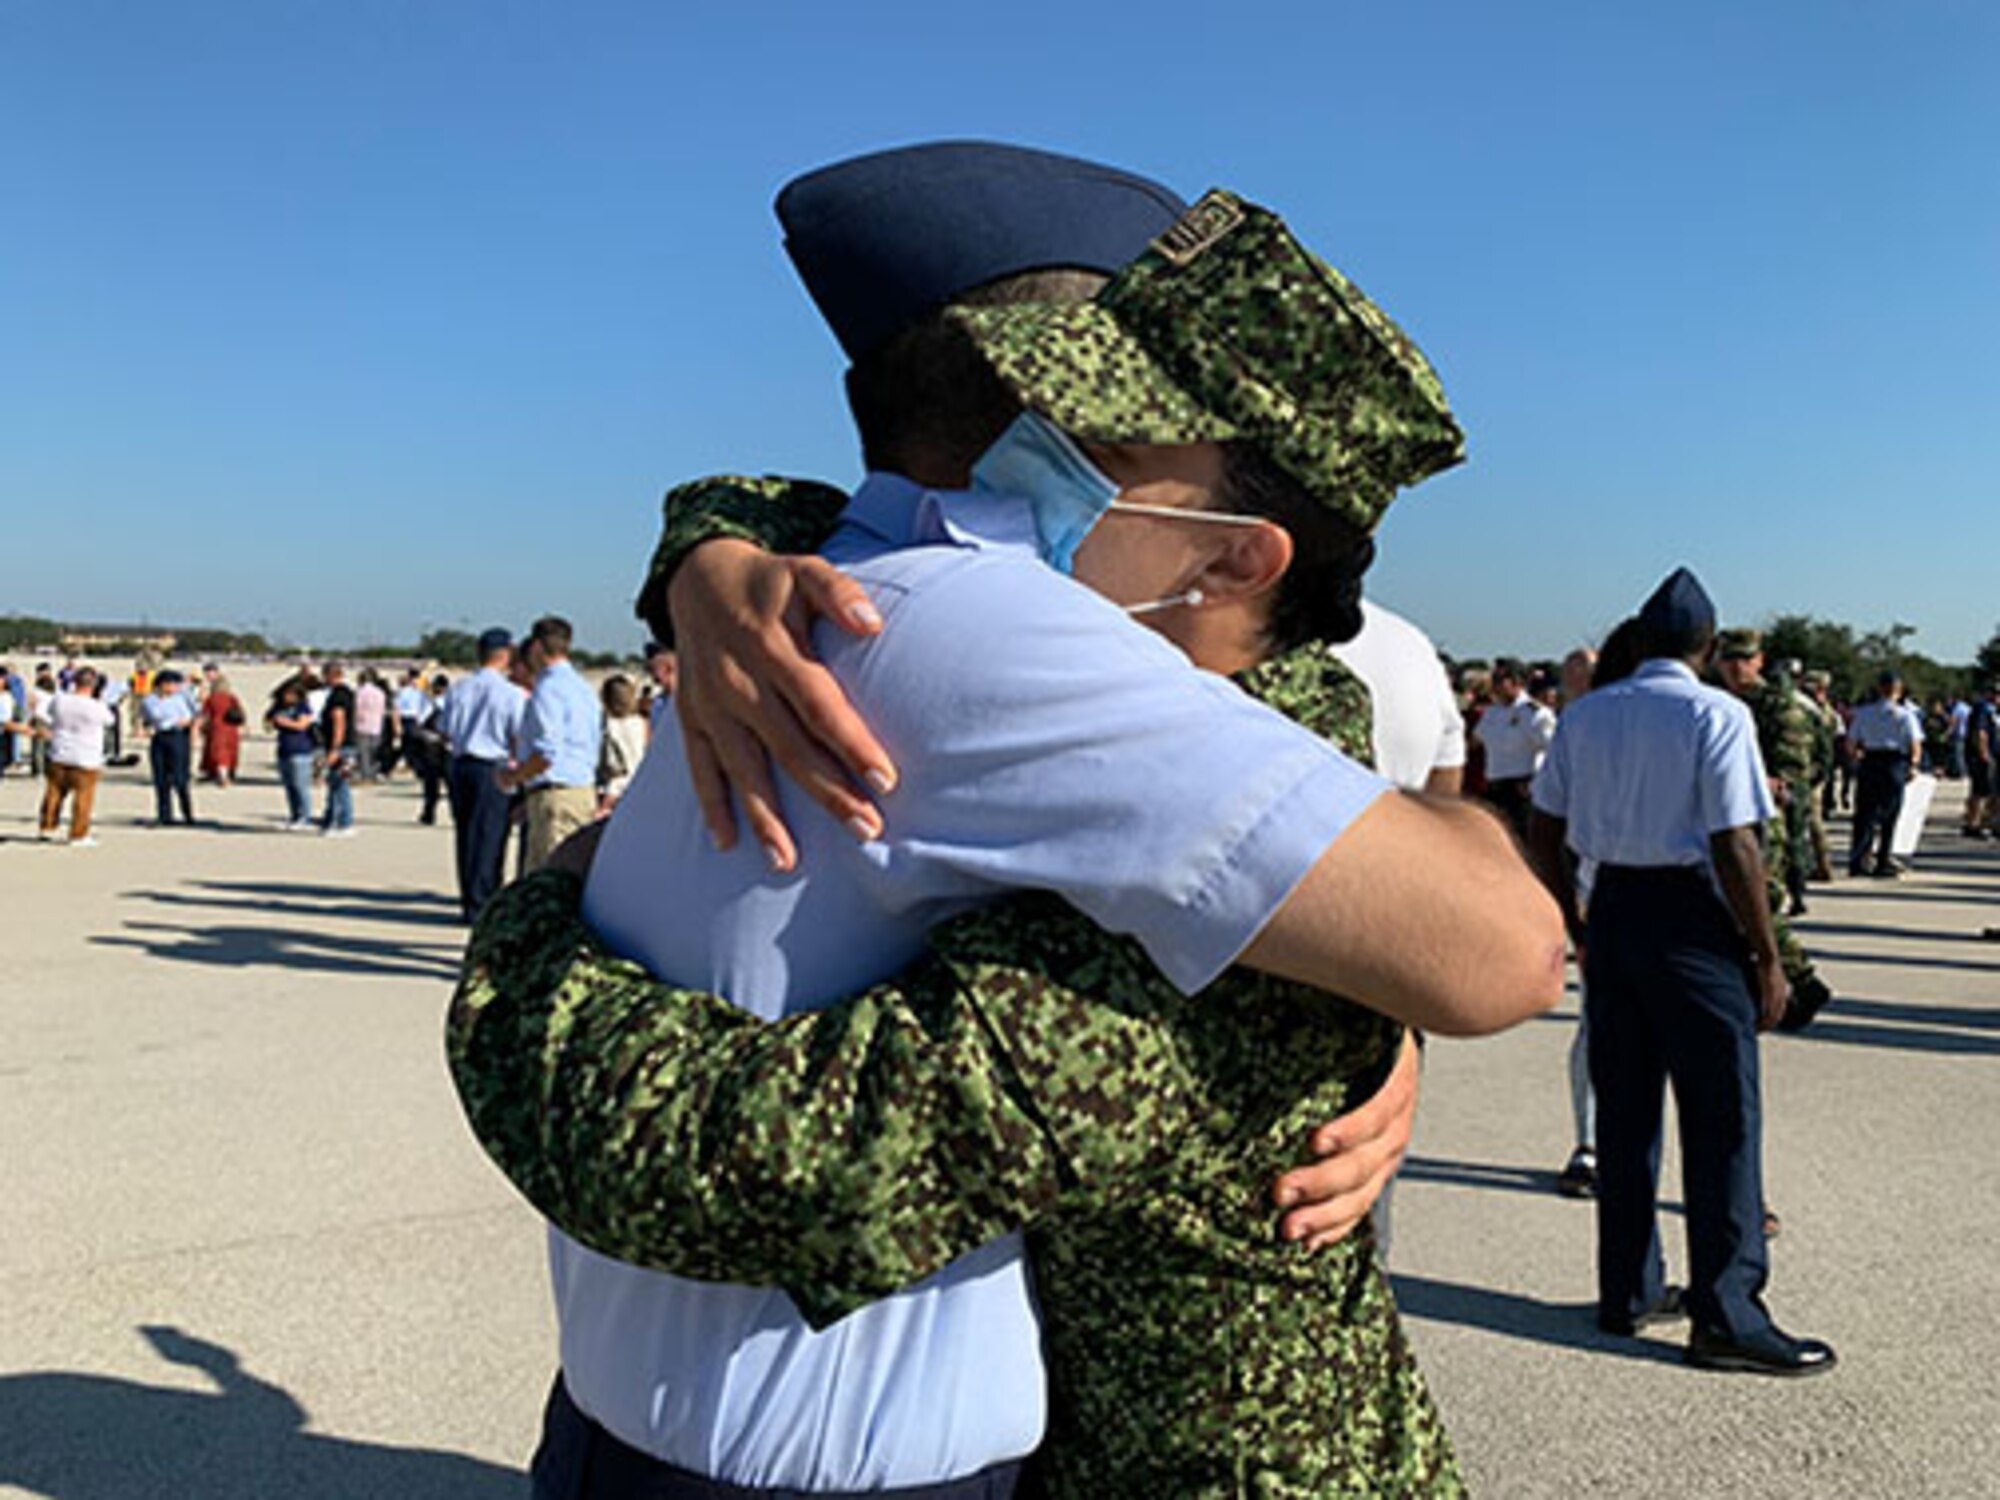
<point x="1810" y="996"/>
<point x="1769" y="1352"/>
<point x="1671" y="1308"/>
<point x="1578" y="1178"/>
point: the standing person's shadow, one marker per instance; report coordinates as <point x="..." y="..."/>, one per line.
<point x="92" y="1437"/>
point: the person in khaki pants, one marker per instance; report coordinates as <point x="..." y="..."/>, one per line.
<point x="562" y="735"/>
<point x="77" y="724"/>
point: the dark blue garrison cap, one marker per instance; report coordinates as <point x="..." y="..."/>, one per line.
<point x="498" y="638"/>
<point x="883" y="239"/>
<point x="1677" y="606"/>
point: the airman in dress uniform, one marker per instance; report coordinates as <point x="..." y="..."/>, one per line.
<point x="1657" y="779"/>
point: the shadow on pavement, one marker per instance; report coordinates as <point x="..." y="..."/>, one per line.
<point x="287" y="948"/>
<point x="360" y="905"/>
<point x="93" y="1437"/>
<point x="1569" y="1325"/>
<point x="1479" y="1174"/>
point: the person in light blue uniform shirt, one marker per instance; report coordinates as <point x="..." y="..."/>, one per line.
<point x="561" y="737"/>
<point x="423" y="746"/>
<point x="1887" y="739"/>
<point x="168" y="711"/>
<point x="1657" y="782"/>
<point x="1048" y="742"/>
<point x="480" y="721"/>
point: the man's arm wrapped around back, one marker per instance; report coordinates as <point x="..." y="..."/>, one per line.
<point x="842" y="1153"/>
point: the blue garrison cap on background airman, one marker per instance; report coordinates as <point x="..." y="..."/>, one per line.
<point x="1678" y="606"/>
<point x="883" y="239"/>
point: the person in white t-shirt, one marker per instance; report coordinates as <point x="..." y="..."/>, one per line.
<point x="1516" y="730"/>
<point x="78" y="722"/>
<point x="1418" y="736"/>
<point x="1419" y="733"/>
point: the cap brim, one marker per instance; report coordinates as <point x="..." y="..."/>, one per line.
<point x="1076" y="366"/>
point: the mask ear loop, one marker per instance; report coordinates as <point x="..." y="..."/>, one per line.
<point x="1192" y="599"/>
<point x="1175" y="513"/>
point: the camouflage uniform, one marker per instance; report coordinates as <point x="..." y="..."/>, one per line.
<point x="1787" y="733"/>
<point x="1826" y="751"/>
<point x="1030" y="1070"/>
<point x="1785" y="741"/>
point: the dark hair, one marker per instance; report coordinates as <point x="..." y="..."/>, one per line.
<point x="926" y="403"/>
<point x="1319" y="598"/>
<point x="1619" y="656"/>
<point x="1684" y="644"/>
<point x="552" y="634"/>
<point x="621" y="698"/>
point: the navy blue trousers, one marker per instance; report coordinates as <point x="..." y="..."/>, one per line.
<point x="172" y="759"/>
<point x="579" y="1460"/>
<point x="1670" y="1001"/>
<point x="479" y="826"/>
<point x="1878" y="802"/>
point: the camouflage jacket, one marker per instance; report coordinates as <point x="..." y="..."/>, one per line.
<point x="1787" y="732"/>
<point x="1030" y="1070"/>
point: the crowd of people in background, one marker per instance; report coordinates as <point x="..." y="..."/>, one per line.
<point x="545" y="773"/>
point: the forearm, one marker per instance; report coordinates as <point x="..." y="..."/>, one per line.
<point x="1423" y="910"/>
<point x="842" y="1153"/>
<point x="1739" y="870"/>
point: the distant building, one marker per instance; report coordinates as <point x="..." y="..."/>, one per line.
<point x="82" y="640"/>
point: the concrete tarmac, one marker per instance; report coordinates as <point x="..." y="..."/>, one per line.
<point x="250" y="1250"/>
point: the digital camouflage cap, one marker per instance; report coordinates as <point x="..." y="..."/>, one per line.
<point x="1739" y="643"/>
<point x="1228" y="328"/>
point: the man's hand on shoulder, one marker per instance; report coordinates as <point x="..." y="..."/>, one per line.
<point x="751" y="692"/>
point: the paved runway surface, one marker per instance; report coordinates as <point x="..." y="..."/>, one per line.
<point x="249" y="1250"/>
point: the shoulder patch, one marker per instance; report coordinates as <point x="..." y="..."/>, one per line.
<point x="1189" y="236"/>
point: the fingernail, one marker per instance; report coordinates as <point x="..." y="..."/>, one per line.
<point x="1295" y="1232"/>
<point x="865" y="615"/>
<point x="879" y="780"/>
<point x="776" y="858"/>
<point x="1287" y="1196"/>
<point x="863" y="827"/>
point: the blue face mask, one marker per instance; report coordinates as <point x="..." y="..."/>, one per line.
<point x="1034" y="460"/>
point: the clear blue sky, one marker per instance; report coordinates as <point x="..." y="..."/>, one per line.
<point x="349" y="318"/>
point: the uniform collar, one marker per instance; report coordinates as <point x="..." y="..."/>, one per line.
<point x="1666" y="666"/>
<point x="901" y="513"/>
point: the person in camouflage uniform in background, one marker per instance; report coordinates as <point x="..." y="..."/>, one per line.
<point x="1827" y="730"/>
<point x="1788" y="739"/>
<point x="1153" y="1284"/>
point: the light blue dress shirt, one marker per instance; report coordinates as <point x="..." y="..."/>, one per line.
<point x="1883" y="725"/>
<point x="413" y="703"/>
<point x="1645" y="770"/>
<point x="565" y="726"/>
<point x="175" y="711"/>
<point x="1045" y="741"/>
<point x="482" y="714"/>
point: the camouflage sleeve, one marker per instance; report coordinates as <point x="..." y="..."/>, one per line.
<point x="841" y="1153"/>
<point x="777" y="514"/>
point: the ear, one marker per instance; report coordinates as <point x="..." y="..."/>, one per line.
<point x="1245" y="562"/>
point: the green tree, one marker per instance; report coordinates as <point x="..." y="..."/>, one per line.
<point x="452" y="648"/>
<point x="1987" y="664"/>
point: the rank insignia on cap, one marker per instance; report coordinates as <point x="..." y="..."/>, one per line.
<point x="1200" y="227"/>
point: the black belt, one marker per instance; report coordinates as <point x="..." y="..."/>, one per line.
<point x="1653" y="875"/>
<point x="607" y="1469"/>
